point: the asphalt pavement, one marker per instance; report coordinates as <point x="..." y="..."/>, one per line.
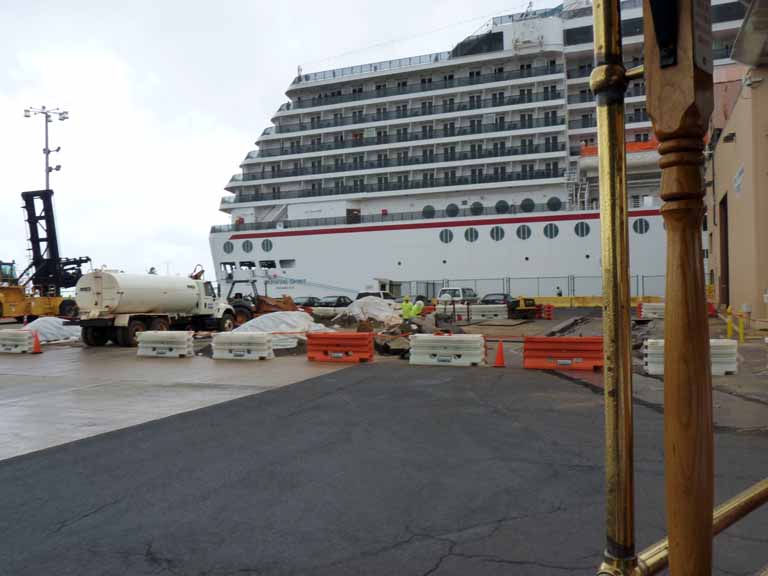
<point x="381" y="469"/>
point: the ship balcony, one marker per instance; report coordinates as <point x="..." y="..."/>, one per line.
<point x="509" y="75"/>
<point x="421" y="161"/>
<point x="501" y="208"/>
<point x="500" y="129"/>
<point x="422" y="112"/>
<point x="386" y="188"/>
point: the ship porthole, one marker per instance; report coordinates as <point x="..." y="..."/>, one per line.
<point x="527" y="205"/>
<point x="428" y="211"/>
<point x="476" y="208"/>
<point x="228" y="247"/>
<point x="497" y="233"/>
<point x="502" y="207"/>
<point x="452" y="210"/>
<point x="446" y="236"/>
<point x="523" y="232"/>
<point x="266" y="245"/>
<point x="641" y="226"/>
<point x="471" y="234"/>
<point x="581" y="229"/>
<point x="554" y="204"/>
<point x="551" y="231"/>
<point x="247" y="246"/>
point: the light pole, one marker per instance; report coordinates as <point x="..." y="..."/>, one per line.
<point x="47" y="113"/>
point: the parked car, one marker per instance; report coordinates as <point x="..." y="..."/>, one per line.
<point x="334" y="302"/>
<point x="378" y="293"/>
<point x="496" y="298"/>
<point x="464" y="295"/>
<point x="307" y="301"/>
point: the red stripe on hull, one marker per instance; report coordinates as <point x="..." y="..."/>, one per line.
<point x="451" y="224"/>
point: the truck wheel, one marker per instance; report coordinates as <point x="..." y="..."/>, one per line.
<point x="85" y="336"/>
<point x="242" y="314"/>
<point x="95" y="336"/>
<point x="68" y="308"/>
<point x="160" y="324"/>
<point x="226" y="322"/>
<point x="134" y="327"/>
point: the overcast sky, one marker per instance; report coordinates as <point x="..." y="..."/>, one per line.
<point x="165" y="100"/>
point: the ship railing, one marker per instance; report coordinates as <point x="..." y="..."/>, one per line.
<point x="500" y="209"/>
<point x="492" y="102"/>
<point x="431" y="85"/>
<point x="424" y="158"/>
<point x="412" y="136"/>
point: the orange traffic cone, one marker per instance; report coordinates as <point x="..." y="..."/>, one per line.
<point x="499" y="356"/>
<point x="36" y="349"/>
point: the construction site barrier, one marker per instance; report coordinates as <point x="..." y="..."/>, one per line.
<point x="165" y="344"/>
<point x="350" y="347"/>
<point x="488" y="311"/>
<point x="242" y="346"/>
<point x="447" y="350"/>
<point x="19" y="342"/>
<point x="650" y="310"/>
<point x="724" y="356"/>
<point x="548" y="312"/>
<point x="563" y="353"/>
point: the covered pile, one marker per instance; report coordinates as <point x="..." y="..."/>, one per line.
<point x="287" y="328"/>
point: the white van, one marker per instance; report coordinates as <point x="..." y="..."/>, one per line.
<point x="457" y="295"/>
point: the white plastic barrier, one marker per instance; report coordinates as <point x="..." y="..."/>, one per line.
<point x="165" y="344"/>
<point x="325" y="311"/>
<point x="242" y="346"/>
<point x="723" y="354"/>
<point x="653" y="310"/>
<point x="447" y="350"/>
<point x="488" y="311"/>
<point x="16" y="341"/>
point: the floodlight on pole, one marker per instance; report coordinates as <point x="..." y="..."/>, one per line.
<point x="47" y="114"/>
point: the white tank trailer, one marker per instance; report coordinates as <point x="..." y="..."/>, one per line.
<point x="116" y="306"/>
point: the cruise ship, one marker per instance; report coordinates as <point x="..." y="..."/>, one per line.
<point x="474" y="167"/>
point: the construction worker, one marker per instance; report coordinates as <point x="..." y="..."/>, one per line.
<point x="406" y="309"/>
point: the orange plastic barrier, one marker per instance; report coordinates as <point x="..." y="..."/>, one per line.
<point x="350" y="347"/>
<point x="563" y="353"/>
<point x="640" y="310"/>
<point x="548" y="311"/>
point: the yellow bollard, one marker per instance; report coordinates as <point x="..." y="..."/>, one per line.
<point x="728" y="323"/>
<point x="741" y="329"/>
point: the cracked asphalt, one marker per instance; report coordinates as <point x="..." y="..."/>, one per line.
<point x="381" y="469"/>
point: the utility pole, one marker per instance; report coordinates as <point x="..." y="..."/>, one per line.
<point x="47" y="115"/>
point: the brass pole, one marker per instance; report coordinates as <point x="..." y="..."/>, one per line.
<point x="678" y="72"/>
<point x="608" y="83"/>
<point x="655" y="558"/>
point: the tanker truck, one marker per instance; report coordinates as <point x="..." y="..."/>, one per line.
<point x="117" y="306"/>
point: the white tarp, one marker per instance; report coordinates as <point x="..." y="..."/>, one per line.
<point x="373" y="308"/>
<point x="296" y="323"/>
<point x="51" y="329"/>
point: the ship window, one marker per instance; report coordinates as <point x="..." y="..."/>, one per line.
<point x="497" y="233"/>
<point x="446" y="236"/>
<point x="476" y="208"/>
<point x="428" y="211"/>
<point x="581" y="229"/>
<point x="267" y="264"/>
<point x="641" y="226"/>
<point x="523" y="232"/>
<point x="471" y="234"/>
<point x="551" y="231"/>
<point x="248" y="265"/>
<point x="247" y="246"/>
<point x="527" y="205"/>
<point x="227" y="267"/>
<point x="502" y="207"/>
<point x="290" y="263"/>
<point x="452" y="210"/>
<point x="554" y="204"/>
<point x="266" y="245"/>
<point x="228" y="247"/>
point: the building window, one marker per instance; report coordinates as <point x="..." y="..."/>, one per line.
<point x="471" y="234"/>
<point x="554" y="204"/>
<point x="551" y="231"/>
<point x="523" y="232"/>
<point x="446" y="236"/>
<point x="247" y="246"/>
<point x="502" y="207"/>
<point x="228" y="247"/>
<point x="476" y="209"/>
<point x="641" y="226"/>
<point x="497" y="233"/>
<point x="452" y="210"/>
<point x="266" y="245"/>
<point x="527" y="205"/>
<point x="581" y="229"/>
<point x="428" y="211"/>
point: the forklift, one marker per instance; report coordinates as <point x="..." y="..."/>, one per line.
<point x="249" y="306"/>
<point x="37" y="290"/>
